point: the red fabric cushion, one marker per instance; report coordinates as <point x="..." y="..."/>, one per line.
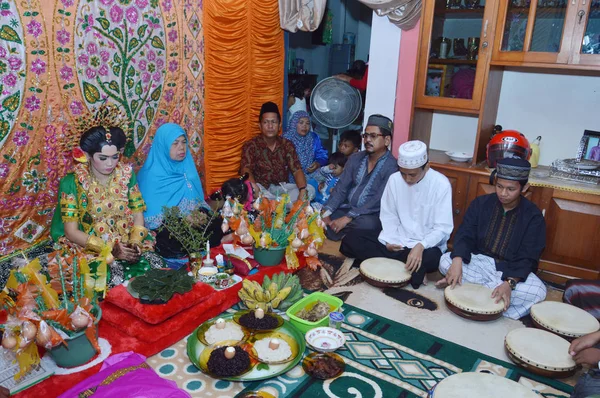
<point x="158" y="313"/>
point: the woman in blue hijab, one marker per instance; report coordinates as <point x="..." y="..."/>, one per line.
<point x="169" y="178"/>
<point x="308" y="145"/>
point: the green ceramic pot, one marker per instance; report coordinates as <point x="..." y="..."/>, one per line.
<point x="78" y="351"/>
<point x="269" y="257"/>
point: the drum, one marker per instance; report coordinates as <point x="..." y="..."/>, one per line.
<point x="385" y="272"/>
<point x="540" y="352"/>
<point x="478" y="385"/>
<point x="566" y="320"/>
<point x="473" y="302"/>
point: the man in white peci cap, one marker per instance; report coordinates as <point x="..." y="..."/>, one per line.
<point x="416" y="216"/>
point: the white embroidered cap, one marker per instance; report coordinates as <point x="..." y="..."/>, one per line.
<point x="412" y="154"/>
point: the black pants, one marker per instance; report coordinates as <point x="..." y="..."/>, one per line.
<point x="362" y="245"/>
<point x="169" y="247"/>
<point x="368" y="223"/>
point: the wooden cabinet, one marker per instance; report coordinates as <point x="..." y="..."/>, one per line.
<point x="551" y="32"/>
<point x="572" y="221"/>
<point x="454" y="41"/>
<point x="573" y="241"/>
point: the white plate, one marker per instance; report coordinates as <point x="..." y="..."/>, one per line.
<point x="325" y="339"/>
<point x="460" y="156"/>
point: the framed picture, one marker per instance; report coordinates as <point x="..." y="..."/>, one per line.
<point x="589" y="147"/>
<point x="436" y="80"/>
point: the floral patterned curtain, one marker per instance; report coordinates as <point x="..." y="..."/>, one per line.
<point x="59" y="59"/>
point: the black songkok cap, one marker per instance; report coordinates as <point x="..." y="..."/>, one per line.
<point x="515" y="169"/>
<point x="385" y="124"/>
<point x="269" y="107"/>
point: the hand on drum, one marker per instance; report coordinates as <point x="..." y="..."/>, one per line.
<point x="589" y="356"/>
<point x="583" y="342"/>
<point x="393" y="248"/>
<point x="454" y="274"/>
<point x="502" y="292"/>
<point x="415" y="258"/>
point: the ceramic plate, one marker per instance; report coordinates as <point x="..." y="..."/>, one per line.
<point x="236" y="279"/>
<point x="459" y="156"/>
<point x="239" y="314"/>
<point x="583" y="165"/>
<point x="325" y="339"/>
<point x="201" y="331"/>
<point x="280" y="336"/>
<point x="323" y="366"/>
<point x="261" y="371"/>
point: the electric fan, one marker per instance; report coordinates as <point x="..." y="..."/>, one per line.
<point x="335" y="104"/>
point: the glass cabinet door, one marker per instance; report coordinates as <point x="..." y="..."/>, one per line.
<point x="534" y="31"/>
<point x="587" y="45"/>
<point x="451" y="62"/>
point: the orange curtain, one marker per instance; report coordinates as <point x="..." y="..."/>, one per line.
<point x="245" y="56"/>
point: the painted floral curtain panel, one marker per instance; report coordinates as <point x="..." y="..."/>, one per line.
<point x="59" y="59"/>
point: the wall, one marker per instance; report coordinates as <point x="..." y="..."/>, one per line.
<point x="383" y="68"/>
<point x="557" y="107"/>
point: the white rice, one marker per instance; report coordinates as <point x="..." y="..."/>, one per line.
<point x="265" y="353"/>
<point x="231" y="331"/>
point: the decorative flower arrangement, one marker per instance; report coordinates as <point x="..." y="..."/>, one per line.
<point x="271" y="225"/>
<point x="47" y="314"/>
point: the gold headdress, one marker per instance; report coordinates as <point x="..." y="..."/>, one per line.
<point x="107" y="116"/>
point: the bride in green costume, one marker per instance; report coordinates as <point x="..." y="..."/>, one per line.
<point x="100" y="204"/>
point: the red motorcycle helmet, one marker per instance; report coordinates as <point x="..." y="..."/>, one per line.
<point x="507" y="144"/>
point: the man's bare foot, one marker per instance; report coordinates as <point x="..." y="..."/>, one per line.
<point x="442" y="283"/>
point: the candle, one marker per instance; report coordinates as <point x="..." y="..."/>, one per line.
<point x="220" y="260"/>
<point x="229" y="352"/>
<point x="208" y="250"/>
<point x="220" y="323"/>
<point x="274" y="344"/>
<point x="259" y="313"/>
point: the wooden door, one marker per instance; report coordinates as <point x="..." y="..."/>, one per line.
<point x="539" y="31"/>
<point x="573" y="234"/>
<point x="586" y="37"/>
<point x="441" y="57"/>
<point x="480" y="185"/>
<point x="459" y="181"/>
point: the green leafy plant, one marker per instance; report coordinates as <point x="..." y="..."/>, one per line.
<point x="159" y="285"/>
<point x="191" y="231"/>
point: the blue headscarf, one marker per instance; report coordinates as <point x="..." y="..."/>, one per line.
<point x="164" y="181"/>
<point x="304" y="145"/>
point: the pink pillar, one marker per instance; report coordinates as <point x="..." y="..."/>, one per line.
<point x="409" y="44"/>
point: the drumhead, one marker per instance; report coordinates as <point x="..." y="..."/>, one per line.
<point x="477" y="385"/>
<point x="564" y="318"/>
<point x="540" y="348"/>
<point x="473" y="298"/>
<point x="385" y="270"/>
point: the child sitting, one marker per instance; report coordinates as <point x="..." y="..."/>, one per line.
<point x="236" y="188"/>
<point x="325" y="178"/>
<point x="350" y="142"/>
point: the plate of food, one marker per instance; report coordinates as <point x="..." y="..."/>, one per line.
<point x="323" y="365"/>
<point x="220" y="329"/>
<point x="274" y="347"/>
<point x="260" y="370"/>
<point x="227" y="359"/>
<point x="258" y="321"/>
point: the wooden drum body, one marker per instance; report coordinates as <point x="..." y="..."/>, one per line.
<point x="480" y="385"/>
<point x="473" y="302"/>
<point x="385" y="272"/>
<point x="563" y="319"/>
<point x="540" y="352"/>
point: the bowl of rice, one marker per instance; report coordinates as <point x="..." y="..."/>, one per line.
<point x="209" y="333"/>
<point x="325" y="339"/>
<point x="286" y="350"/>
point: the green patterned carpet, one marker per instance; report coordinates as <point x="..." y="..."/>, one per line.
<point x="383" y="359"/>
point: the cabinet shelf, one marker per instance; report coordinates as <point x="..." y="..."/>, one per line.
<point x="452" y="61"/>
<point x="460" y="13"/>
